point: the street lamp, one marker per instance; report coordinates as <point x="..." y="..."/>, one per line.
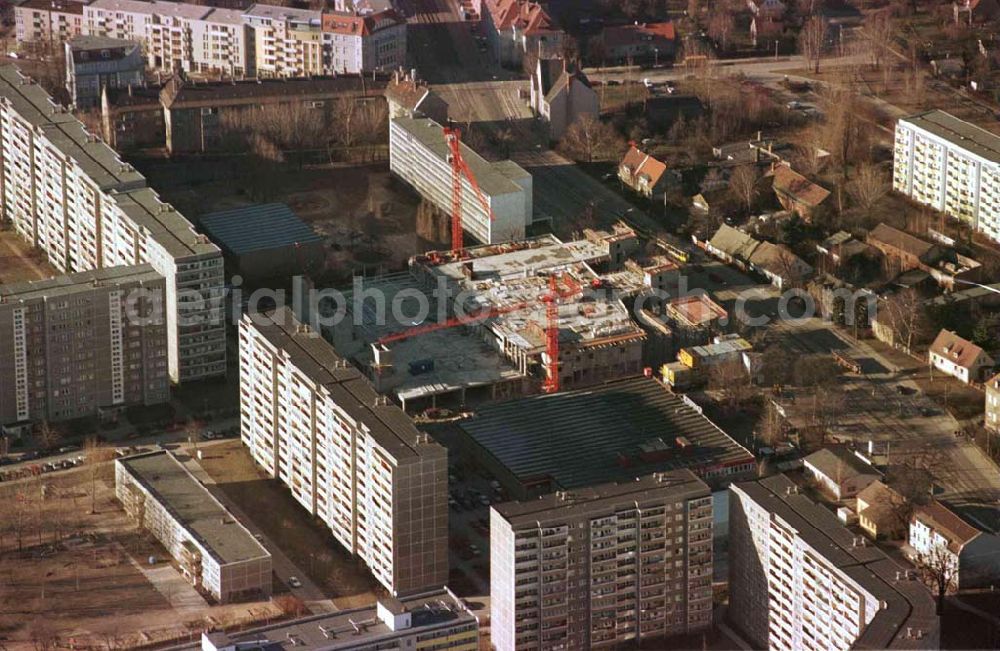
<point x="656" y="57"/>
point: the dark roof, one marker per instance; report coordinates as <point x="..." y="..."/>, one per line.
<point x="180" y="94"/>
<point x="613" y="432"/>
<point x="900" y="240"/>
<point x="947" y="523"/>
<point x="62" y="6"/>
<point x="351" y="391"/>
<point x="960" y="133"/>
<point x="684" y="484"/>
<point x="906" y="604"/>
<point x="257" y="228"/>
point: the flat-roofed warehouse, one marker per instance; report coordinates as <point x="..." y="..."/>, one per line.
<point x="419" y="154"/>
<point x="213" y="550"/>
<point x="265" y="240"/>
<point x="613" y="432"/>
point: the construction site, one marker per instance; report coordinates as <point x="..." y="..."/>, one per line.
<point x="536" y="315"/>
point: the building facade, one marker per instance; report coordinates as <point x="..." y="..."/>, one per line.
<point x="48" y="22"/>
<point x="951" y="547"/>
<point x="94" y="63"/>
<point x="420" y="155"/>
<point x="354" y="44"/>
<point x="82" y="345"/>
<point x="798" y="579"/>
<point x="351" y="459"/>
<point x="212" y="549"/>
<point x="604" y="566"/>
<point x="71" y="196"/>
<point x="959" y="358"/>
<point x="992" y="419"/>
<point x="952" y="166"/>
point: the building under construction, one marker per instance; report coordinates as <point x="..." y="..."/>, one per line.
<point x="545" y="314"/>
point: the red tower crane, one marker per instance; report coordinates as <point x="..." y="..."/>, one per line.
<point x="459" y="168"/>
<point x="551" y="298"/>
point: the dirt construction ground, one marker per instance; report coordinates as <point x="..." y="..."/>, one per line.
<point x="69" y="578"/>
<point x="18" y="262"/>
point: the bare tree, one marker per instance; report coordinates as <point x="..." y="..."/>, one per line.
<point x="744" y="183"/>
<point x="96" y="455"/>
<point x="870" y="184"/>
<point x="904" y="314"/>
<point x="720" y="26"/>
<point x="49" y="436"/>
<point x="938" y="568"/>
<point x="769" y="428"/>
<point x="731" y="379"/>
<point x="588" y="139"/>
<point x="193" y="430"/>
<point x="811" y="40"/>
<point x="879" y="31"/>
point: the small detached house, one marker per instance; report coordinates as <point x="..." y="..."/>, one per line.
<point x="959" y="358"/>
<point x="839" y="472"/>
<point x="560" y="95"/>
<point x="797" y="193"/>
<point x="881" y="513"/>
<point x="644" y="174"/>
<point x="940" y="537"/>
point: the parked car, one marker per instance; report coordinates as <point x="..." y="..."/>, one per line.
<point x="294" y="582"/>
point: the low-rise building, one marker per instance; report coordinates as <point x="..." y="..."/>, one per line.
<point x="959" y="358"/>
<point x="430" y="620"/>
<point x="355" y="43"/>
<point x="409" y="97"/>
<point x="86" y="344"/>
<point x="839" y="472"/>
<point x="796" y="193"/>
<point x="645" y="174"/>
<point x="639" y="43"/>
<point x="561" y="95"/>
<point x="617" y="431"/>
<point x="992" y="419"/>
<point x="799" y="579"/>
<point x="420" y="155"/>
<point x="646" y="543"/>
<point x="96" y="63"/>
<point x="516" y="29"/>
<point x="287" y="42"/>
<point x="881" y="512"/>
<point x="349" y="457"/>
<point x="724" y="349"/>
<point x="777" y="263"/>
<point x="904" y="251"/>
<point x="966" y="557"/>
<point x="212" y="549"/>
<point x="48" y="22"/>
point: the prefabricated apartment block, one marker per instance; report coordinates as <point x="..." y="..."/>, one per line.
<point x="602" y="567"/>
<point x="952" y="166"/>
<point x="70" y="195"/>
<point x="83" y="344"/>
<point x="349" y="457"/>
<point x="799" y="579"/>
<point x="213" y="550"/>
<point x="420" y="155"/>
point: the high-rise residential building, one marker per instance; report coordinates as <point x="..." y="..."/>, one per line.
<point x="952" y="166"/>
<point x="799" y="579"/>
<point x="48" y="21"/>
<point x="81" y="345"/>
<point x="70" y="195"/>
<point x="349" y="457"/>
<point x="420" y="155"/>
<point x="603" y="566"/>
<point x="287" y="42"/>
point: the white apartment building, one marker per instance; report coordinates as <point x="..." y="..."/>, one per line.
<point x="420" y="155"/>
<point x="70" y="195"/>
<point x="798" y="579"/>
<point x="355" y="43"/>
<point x="349" y="457"/>
<point x="175" y="35"/>
<point x="287" y="42"/>
<point x="952" y="166"/>
<point x="212" y="549"/>
<point x="602" y="567"/>
<point x="48" y="21"/>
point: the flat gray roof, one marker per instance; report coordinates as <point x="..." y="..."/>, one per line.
<point x="612" y="432"/>
<point x="256" y="228"/>
<point x="77" y="282"/>
<point x="348" y="388"/>
<point x="351" y="629"/>
<point x="684" y="484"/>
<point x="962" y="134"/>
<point x="493" y="178"/>
<point x="194" y="507"/>
<point x="168" y="227"/>
<point x="906" y="603"/>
